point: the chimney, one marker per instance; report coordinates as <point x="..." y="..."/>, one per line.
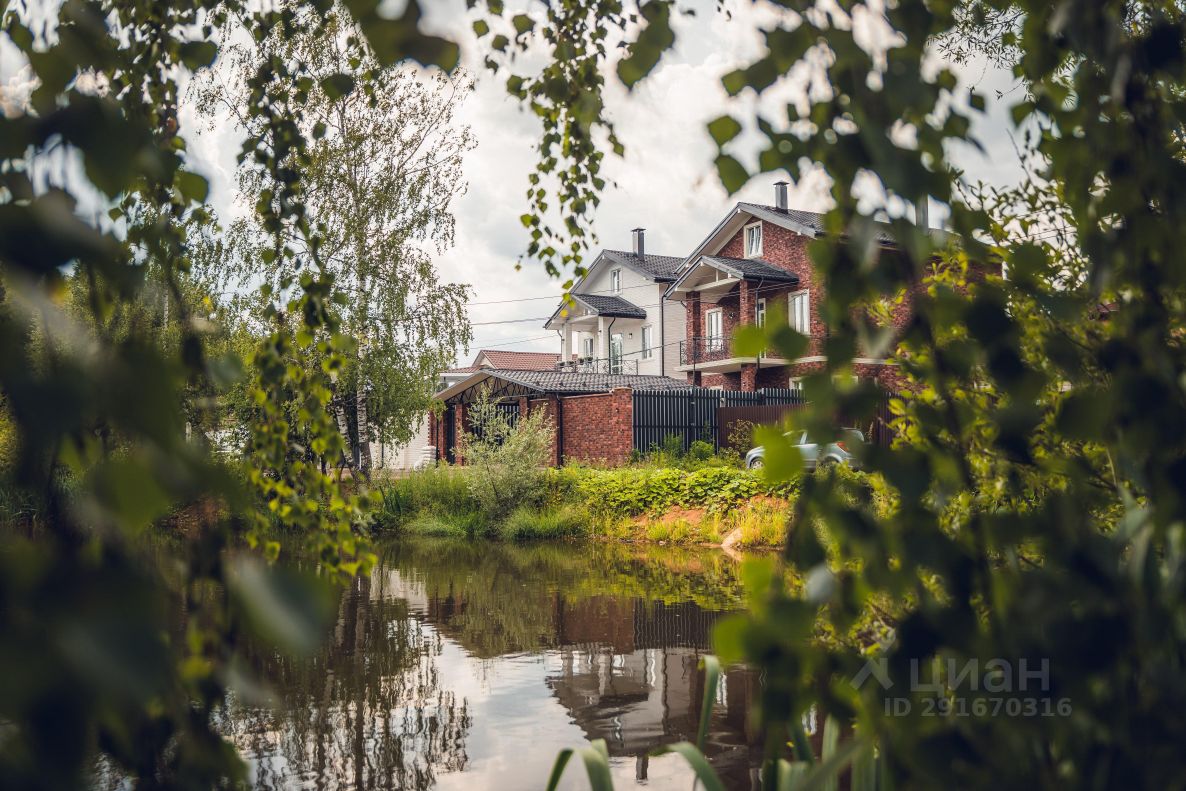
<point x="639" y="241"/>
<point x="780" y="195"/>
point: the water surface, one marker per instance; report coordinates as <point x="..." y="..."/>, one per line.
<point x="458" y="665"/>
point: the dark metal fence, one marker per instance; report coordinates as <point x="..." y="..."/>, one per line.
<point x="694" y="414"/>
<point x="714" y="415"/>
<point x="688" y="414"/>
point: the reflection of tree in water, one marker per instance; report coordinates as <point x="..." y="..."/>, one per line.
<point x="497" y="599"/>
<point x="368" y="711"/>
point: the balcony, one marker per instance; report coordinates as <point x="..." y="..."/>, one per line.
<point x="716" y="355"/>
<point x="593" y="366"/>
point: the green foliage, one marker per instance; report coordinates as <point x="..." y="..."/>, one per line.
<point x="112" y="379"/>
<point x="633" y="491"/>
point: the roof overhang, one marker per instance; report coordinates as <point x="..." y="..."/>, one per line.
<point x="714" y="277"/>
<point x="571" y="312"/>
<point x="500" y="384"/>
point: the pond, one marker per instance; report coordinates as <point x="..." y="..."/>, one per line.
<point x="459" y="665"/>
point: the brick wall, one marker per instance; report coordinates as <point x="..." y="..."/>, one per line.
<point x="599" y="428"/>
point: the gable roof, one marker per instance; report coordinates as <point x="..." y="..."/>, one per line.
<point x="656" y="267"/>
<point x="512" y="383"/>
<point x="613" y="306"/>
<point x="808" y="223"/>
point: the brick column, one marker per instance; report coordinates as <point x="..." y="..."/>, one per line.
<point x="748" y="302"/>
<point x="623" y="423"/>
<point x="694" y="329"/>
<point x="749" y="377"/>
<point x="523" y="407"/>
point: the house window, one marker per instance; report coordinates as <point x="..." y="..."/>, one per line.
<point x="646" y="343"/>
<point x="615" y="281"/>
<point x="588" y="348"/>
<point x="753" y="240"/>
<point x="799" y="311"/>
<point x="760" y="313"/>
<point x="714" y="329"/>
<point x="615" y="353"/>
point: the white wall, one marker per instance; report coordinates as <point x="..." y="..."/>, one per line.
<point x="403" y="457"/>
<point x="646" y="294"/>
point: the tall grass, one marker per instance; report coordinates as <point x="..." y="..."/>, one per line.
<point x="441" y="492"/>
<point x="531" y="524"/>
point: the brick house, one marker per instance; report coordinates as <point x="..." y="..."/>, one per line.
<point x="755" y="264"/>
<point x="591" y="413"/>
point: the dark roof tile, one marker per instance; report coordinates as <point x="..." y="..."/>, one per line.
<point x="610" y="305"/>
<point x="659" y="267"/>
<point x="751" y="268"/>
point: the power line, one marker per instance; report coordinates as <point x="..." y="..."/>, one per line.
<point x="514" y="343"/>
<point x="558" y="296"/>
<point x="506" y="321"/>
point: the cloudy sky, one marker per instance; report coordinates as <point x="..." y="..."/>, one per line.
<point x="665" y="182"/>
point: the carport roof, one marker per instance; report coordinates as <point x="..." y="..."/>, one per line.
<point x="533" y="384"/>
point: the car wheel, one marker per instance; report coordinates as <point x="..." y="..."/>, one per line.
<point x="826" y="464"/>
<point x="756" y="464"/>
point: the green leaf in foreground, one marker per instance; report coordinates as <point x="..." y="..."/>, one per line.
<point x="705" y="774"/>
<point x="596" y="760"/>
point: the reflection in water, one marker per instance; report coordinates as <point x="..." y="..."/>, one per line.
<point x="471" y="665"/>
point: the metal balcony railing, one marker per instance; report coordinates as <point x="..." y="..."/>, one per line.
<point x="705" y="350"/>
<point x="602" y="366"/>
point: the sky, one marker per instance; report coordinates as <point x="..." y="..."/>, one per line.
<point x="665" y="182"/>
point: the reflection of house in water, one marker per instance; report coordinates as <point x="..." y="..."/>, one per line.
<point x="630" y="675"/>
<point x="629" y="669"/>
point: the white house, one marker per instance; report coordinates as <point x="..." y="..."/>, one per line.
<point x="618" y="320"/>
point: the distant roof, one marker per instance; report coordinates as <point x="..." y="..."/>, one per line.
<point x="657" y="267"/>
<point x="536" y="361"/>
<point x="750" y="268"/>
<point x="610" y="305"/>
<point x="513" y="383"/>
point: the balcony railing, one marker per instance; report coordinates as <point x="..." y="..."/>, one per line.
<point x="592" y="366"/>
<point x="705" y="350"/>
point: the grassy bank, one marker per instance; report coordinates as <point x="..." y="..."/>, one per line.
<point x="637" y="503"/>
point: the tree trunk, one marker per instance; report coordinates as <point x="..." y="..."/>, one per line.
<point x="363" y="456"/>
<point x="344" y="427"/>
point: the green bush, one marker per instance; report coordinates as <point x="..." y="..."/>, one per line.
<point x="507" y="463"/>
<point x="700" y="451"/>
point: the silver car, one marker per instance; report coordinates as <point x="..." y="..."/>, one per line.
<point x="838" y="452"/>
